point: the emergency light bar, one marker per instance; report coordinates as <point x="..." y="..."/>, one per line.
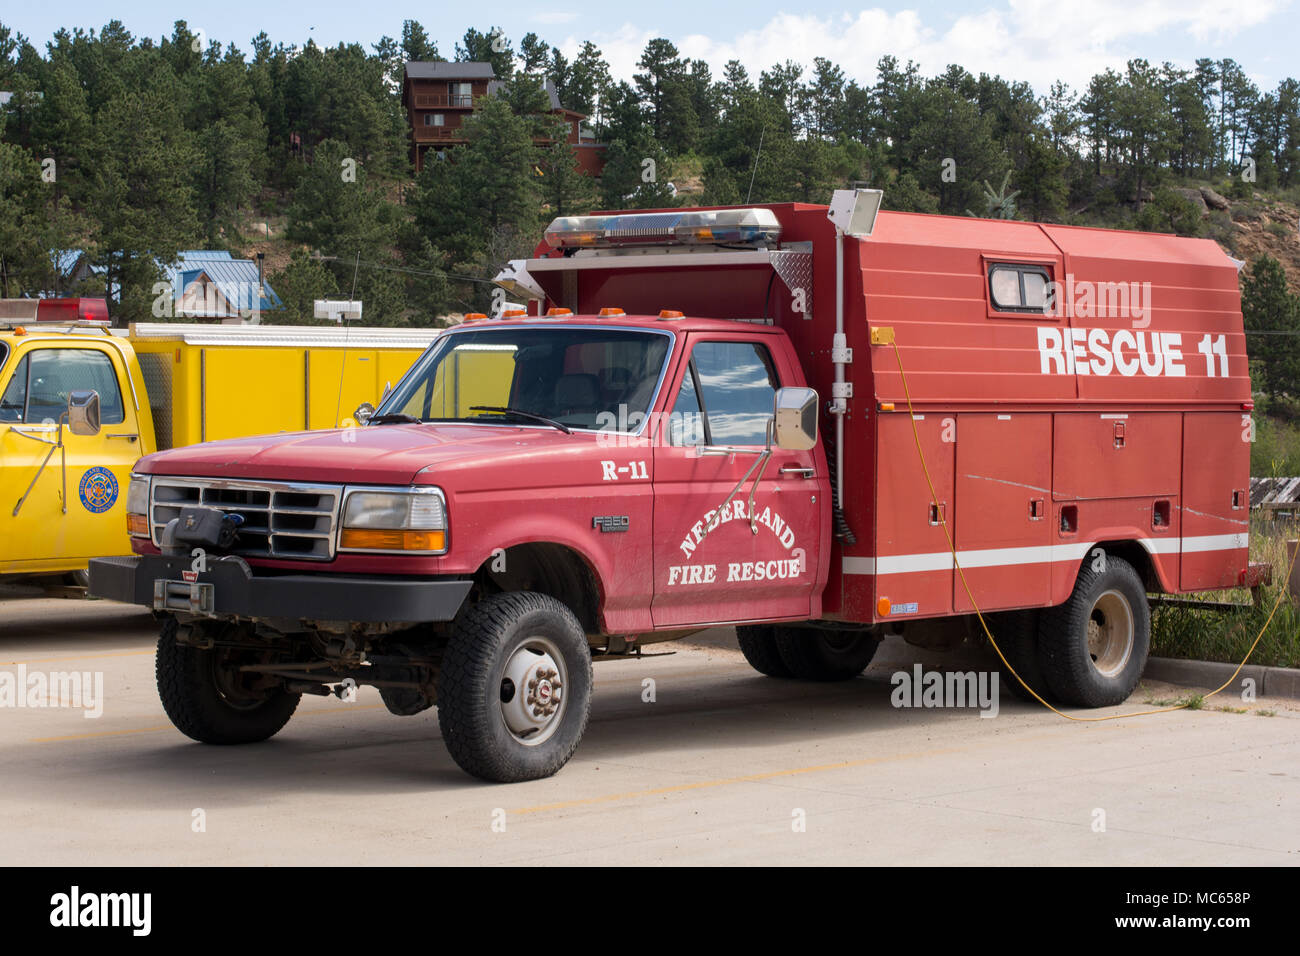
<point x="664" y="228"/>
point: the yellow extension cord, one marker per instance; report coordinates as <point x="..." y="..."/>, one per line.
<point x="934" y="498"/>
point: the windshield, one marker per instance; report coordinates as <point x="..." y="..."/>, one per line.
<point x="580" y="377"/>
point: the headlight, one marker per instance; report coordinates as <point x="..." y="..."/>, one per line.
<point x="137" y="506"/>
<point x="413" y="521"/>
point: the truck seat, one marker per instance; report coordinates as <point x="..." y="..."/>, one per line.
<point x="577" y="394"/>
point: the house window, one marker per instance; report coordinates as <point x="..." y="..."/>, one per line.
<point x="434" y="119"/>
<point x="461" y="94"/>
<point x="1019" y="288"/>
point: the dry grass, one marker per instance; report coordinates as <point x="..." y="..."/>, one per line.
<point x="1227" y="635"/>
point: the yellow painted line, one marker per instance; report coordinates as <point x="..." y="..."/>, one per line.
<point x="728" y="781"/>
<point x="104" y="733"/>
<point x="153" y="730"/>
<point x="79" y="657"/>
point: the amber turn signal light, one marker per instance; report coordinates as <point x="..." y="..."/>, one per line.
<point x="137" y="525"/>
<point x="372" y="540"/>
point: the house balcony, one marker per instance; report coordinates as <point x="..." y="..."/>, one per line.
<point x="425" y="101"/>
<point x="438" y="134"/>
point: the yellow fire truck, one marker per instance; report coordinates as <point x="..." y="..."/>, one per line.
<point x="159" y="385"/>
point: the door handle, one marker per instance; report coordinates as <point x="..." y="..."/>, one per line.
<point x="799" y="470"/>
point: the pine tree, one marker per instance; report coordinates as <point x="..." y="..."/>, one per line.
<point x="141" y="191"/>
<point x="299" y="284"/>
<point x="1268" y="306"/>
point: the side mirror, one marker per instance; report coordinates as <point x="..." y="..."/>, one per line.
<point x="795" y="417"/>
<point x="83" y="412"/>
<point x="363" y="413"/>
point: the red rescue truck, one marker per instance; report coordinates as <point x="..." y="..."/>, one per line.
<point x="726" y="416"/>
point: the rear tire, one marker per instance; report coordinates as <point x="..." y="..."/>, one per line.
<point x="1017" y="635"/>
<point x="207" y="699"/>
<point x="758" y="644"/>
<point x="514" y="688"/>
<point x="1094" y="646"/>
<point x="812" y="654"/>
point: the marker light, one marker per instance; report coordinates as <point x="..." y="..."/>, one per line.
<point x="669" y="314"/>
<point x="559" y="311"/>
<point x="612" y="310"/>
<point x="749" y="225"/>
<point x="513" y="313"/>
<point x="883" y="607"/>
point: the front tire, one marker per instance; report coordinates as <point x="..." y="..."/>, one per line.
<point x="1094" y="646"/>
<point x="830" y="655"/>
<point x="514" y="689"/>
<point x="209" y="700"/>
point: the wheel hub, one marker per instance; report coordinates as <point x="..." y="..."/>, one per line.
<point x="1110" y="633"/>
<point x="532" y="691"/>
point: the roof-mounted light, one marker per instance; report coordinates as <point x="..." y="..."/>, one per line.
<point x="664" y="228"/>
<point x="611" y="310"/>
<point x="556" y="311"/>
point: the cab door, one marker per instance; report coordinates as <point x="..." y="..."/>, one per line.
<point x="54" y="530"/>
<point x="716" y="563"/>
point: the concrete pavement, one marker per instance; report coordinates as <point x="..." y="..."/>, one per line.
<point x="722" y="767"/>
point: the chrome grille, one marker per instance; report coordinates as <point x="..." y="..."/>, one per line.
<point x="289" y="520"/>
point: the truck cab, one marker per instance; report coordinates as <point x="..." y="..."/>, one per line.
<point x="62" y="495"/>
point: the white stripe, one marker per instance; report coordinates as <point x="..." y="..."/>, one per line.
<point x="1120" y="417"/>
<point x="1012" y="557"/>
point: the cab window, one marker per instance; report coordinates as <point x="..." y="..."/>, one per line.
<point x="729" y="389"/>
<point x="44" y="378"/>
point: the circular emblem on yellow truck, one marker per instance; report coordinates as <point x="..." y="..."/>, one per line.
<point x="98" y="489"/>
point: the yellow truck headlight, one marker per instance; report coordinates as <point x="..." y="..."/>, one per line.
<point x="137" y="506"/>
<point x="406" y="522"/>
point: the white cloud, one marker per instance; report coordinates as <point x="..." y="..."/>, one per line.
<point x="1037" y="41"/>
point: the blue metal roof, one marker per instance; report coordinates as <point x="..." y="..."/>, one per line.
<point x="235" y="279"/>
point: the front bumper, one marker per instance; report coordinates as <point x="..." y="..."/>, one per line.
<point x="228" y="588"/>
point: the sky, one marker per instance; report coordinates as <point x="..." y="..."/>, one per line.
<point x="1037" y="41"/>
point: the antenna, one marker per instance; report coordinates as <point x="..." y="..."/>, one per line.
<point x="754" y="171"/>
<point x="343" y="366"/>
